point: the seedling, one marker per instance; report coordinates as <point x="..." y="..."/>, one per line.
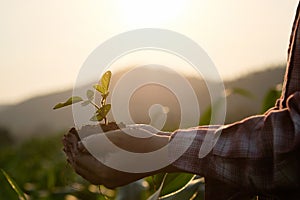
<point x="103" y="108"/>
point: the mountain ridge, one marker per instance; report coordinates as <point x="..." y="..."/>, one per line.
<point x="35" y="117"/>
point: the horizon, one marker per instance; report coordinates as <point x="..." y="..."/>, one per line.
<point x="43" y="45"/>
<point x="188" y="75"/>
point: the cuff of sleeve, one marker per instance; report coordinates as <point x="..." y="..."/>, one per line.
<point x="184" y="147"/>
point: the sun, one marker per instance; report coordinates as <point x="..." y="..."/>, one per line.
<point x="144" y="13"/>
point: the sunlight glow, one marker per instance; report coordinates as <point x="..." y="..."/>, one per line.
<point x="150" y="13"/>
<point x="44" y="47"/>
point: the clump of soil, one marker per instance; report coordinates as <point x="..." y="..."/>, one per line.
<point x="94" y="129"/>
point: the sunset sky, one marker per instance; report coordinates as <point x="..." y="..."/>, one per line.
<point x="43" y="44"/>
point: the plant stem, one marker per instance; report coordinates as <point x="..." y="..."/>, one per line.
<point x="103" y="101"/>
<point x="96" y="106"/>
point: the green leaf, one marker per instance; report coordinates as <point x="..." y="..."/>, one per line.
<point x="90" y="94"/>
<point x="100" y="88"/>
<point x="176" y="181"/>
<point x="240" y="91"/>
<point x="192" y="189"/>
<point x="101" y="113"/>
<point x="85" y="103"/>
<point x="14" y="186"/>
<point x="206" y="116"/>
<point x="133" y="191"/>
<point x="105" y="80"/>
<point x="270" y="99"/>
<point x="155" y="195"/>
<point x="103" y="87"/>
<point x="104" y="110"/>
<point x="96" y="118"/>
<point x="70" y="101"/>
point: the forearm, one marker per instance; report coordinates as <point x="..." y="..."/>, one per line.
<point x="252" y="153"/>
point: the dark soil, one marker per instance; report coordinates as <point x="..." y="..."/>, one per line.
<point x="94" y="129"/>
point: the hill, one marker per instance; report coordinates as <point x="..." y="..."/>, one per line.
<point x="35" y="116"/>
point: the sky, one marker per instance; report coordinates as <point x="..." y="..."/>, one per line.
<point x="43" y="44"/>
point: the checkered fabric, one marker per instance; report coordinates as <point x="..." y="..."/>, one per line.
<point x="259" y="155"/>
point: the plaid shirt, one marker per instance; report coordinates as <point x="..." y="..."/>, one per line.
<point x="256" y="156"/>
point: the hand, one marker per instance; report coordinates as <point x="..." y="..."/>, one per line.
<point x="95" y="171"/>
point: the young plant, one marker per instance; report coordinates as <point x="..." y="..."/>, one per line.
<point x="103" y="108"/>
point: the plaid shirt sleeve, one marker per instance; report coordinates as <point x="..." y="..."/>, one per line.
<point x="292" y="76"/>
<point x="258" y="155"/>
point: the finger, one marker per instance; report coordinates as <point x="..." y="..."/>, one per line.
<point x="67" y="140"/>
<point x="82" y="148"/>
<point x="68" y="151"/>
<point x="74" y="132"/>
<point x="88" y="175"/>
<point x="72" y="143"/>
<point x="100" y="142"/>
<point x="71" y="148"/>
<point x="91" y="164"/>
<point x="150" y="129"/>
<point x="69" y="157"/>
<point x="66" y="146"/>
<point x="137" y="132"/>
<point x="71" y="162"/>
<point x="164" y="133"/>
<point x="86" y="161"/>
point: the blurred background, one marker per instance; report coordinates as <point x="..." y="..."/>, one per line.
<point x="44" y="44"/>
